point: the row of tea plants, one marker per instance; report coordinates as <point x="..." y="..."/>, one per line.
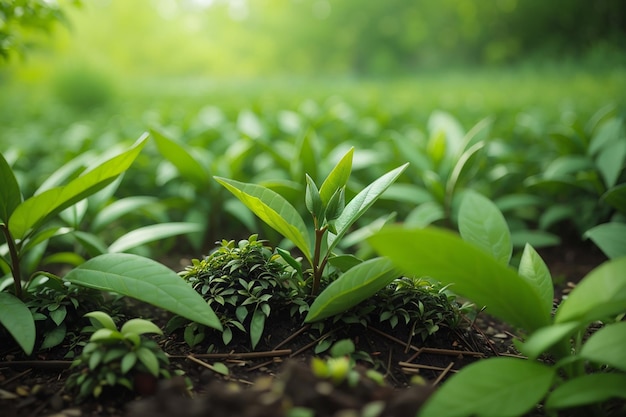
<point x="334" y="265"/>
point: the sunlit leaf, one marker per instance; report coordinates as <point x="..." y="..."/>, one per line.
<point x="360" y="203"/>
<point x="534" y="270"/>
<point x="175" y="152"/>
<point x="140" y="326"/>
<point x="356" y="285"/>
<point x="482" y="224"/>
<point x="145" y="280"/>
<point x="103" y="318"/>
<point x="606" y="346"/>
<point x="601" y="293"/>
<point x="36" y="210"/>
<point x="543" y="339"/>
<point x="274" y="210"/>
<point x="119" y="208"/>
<point x="444" y="256"/>
<point x="152" y="233"/>
<point x="337" y="178"/>
<point x="498" y="387"/>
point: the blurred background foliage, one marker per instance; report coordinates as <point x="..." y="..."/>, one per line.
<point x="313" y="37"/>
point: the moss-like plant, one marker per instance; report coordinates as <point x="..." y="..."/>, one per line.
<point x="118" y="358"/>
<point x="242" y="282"/>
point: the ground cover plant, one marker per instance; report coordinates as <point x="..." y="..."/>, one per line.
<point x="586" y="372"/>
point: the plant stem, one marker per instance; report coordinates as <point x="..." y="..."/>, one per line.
<point x="15" y="261"/>
<point x="317" y="268"/>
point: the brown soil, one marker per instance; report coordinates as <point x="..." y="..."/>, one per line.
<point x="277" y="374"/>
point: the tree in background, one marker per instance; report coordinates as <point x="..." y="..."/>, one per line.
<point x="21" y="20"/>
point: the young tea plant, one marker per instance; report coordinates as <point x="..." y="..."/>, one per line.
<point x="586" y="371"/>
<point x="118" y="358"/>
<point x="27" y="225"/>
<point x="242" y="282"/>
<point x="332" y="218"/>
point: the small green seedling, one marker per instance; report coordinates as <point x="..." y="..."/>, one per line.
<point x="118" y="358"/>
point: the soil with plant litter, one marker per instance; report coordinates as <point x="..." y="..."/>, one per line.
<point x="277" y="374"/>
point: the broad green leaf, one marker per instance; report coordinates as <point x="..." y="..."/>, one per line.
<point x="145" y="280"/>
<point x="17" y="319"/>
<point x="274" y="210"/>
<point x="37" y="209"/>
<point x="610" y="237"/>
<point x="534" y="270"/>
<point x="119" y="208"/>
<point x="482" y="224"/>
<point x="610" y="162"/>
<point x="257" y="324"/>
<point x="512" y="202"/>
<point x="149" y="359"/>
<point x="105" y="335"/>
<point x="444" y="256"/>
<point x="139" y="326"/>
<point x="587" y="390"/>
<point x="360" y="203"/>
<point x="608" y="133"/>
<point x="498" y="387"/>
<point x="344" y="262"/>
<point x="337" y="178"/>
<point x="555" y="214"/>
<point x="129" y="360"/>
<point x="356" y="285"/>
<point x="616" y="197"/>
<point x="188" y="167"/>
<point x="68" y="171"/>
<point x="54" y="337"/>
<point x="44" y="235"/>
<point x="103" y="318"/>
<point x="607" y="346"/>
<point x="601" y="293"/>
<point x="10" y="195"/>
<point x="543" y="339"/>
<point x="565" y="166"/>
<point x="151" y="233"/>
<point x="92" y="243"/>
<point x="425" y="214"/>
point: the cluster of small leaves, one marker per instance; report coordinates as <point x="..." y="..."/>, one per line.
<point x="57" y="306"/>
<point x="242" y="282"/>
<point x="417" y="303"/>
<point x="113" y="358"/>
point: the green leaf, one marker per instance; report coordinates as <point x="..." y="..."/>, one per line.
<point x="103" y="318"/>
<point x="356" y="285"/>
<point x="119" y="208"/>
<point x="543" y="339"/>
<point x="342" y="347"/>
<point x="337" y="178"/>
<point x="19" y="322"/>
<point x="360" y="203"/>
<point x="616" y="197"/>
<point x="257" y="325"/>
<point x="534" y="270"/>
<point x="498" y="387"/>
<point x="36" y="210"/>
<point x="176" y="153"/>
<point x="220" y="368"/>
<point x="460" y="164"/>
<point x="606" y="346"/>
<point x="535" y="238"/>
<point x="586" y="390"/>
<point x="145" y="280"/>
<point x="54" y="337"/>
<point x="149" y="359"/>
<point x="58" y="315"/>
<point x="92" y="243"/>
<point x="312" y="199"/>
<point x="610" y="238"/>
<point x="151" y="233"/>
<point x="600" y="294"/>
<point x="105" y="335"/>
<point x="425" y="214"/>
<point x="475" y="274"/>
<point x="482" y="224"/>
<point x="274" y="210"/>
<point x="610" y="162"/>
<point x="129" y="360"/>
<point x="10" y="195"/>
<point x="306" y="156"/>
<point x="139" y="326"/>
